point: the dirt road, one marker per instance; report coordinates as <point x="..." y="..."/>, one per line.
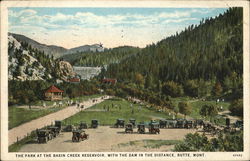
<point x="106" y="139"/>
<point x="227" y="113"/>
<point x="22" y="130"/>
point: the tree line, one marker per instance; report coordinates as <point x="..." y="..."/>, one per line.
<point x="203" y="60"/>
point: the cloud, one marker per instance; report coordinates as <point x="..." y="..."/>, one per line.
<point x="139" y="28"/>
<point x="89" y="19"/>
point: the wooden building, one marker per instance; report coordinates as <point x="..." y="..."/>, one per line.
<point x="74" y="80"/>
<point x="109" y="81"/>
<point x="53" y="93"/>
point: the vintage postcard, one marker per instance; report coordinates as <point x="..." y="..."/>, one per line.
<point x="125" y="80"/>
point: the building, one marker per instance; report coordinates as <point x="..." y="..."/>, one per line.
<point x="97" y="48"/>
<point x="53" y="93"/>
<point x="109" y="81"/>
<point x="74" y="80"/>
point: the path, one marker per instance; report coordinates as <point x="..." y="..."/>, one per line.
<point x="227" y="113"/>
<point x="22" y="130"/>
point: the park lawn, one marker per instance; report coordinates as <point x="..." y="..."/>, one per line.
<point x="18" y="116"/>
<point x="141" y="113"/>
<point x="65" y="99"/>
<point x="196" y="105"/>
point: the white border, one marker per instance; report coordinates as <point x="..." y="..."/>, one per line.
<point x="157" y="4"/>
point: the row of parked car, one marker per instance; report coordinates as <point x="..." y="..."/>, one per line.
<point x="49" y="132"/>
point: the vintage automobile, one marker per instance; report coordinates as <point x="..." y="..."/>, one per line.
<point x="188" y="124"/>
<point x="83" y="125"/>
<point x="129" y="128"/>
<point x="153" y="128"/>
<point x="132" y="121"/>
<point x="238" y="124"/>
<point x="171" y="123"/>
<point x="163" y="123"/>
<point x="58" y="124"/>
<point x="180" y="123"/>
<point x="200" y="123"/>
<point x="119" y="123"/>
<point x="79" y="135"/>
<point x="141" y="128"/>
<point x="43" y="135"/>
<point x="69" y="128"/>
<point x="94" y="123"/>
<point x="54" y="131"/>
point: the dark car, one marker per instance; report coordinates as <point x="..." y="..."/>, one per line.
<point x="55" y="131"/>
<point x="163" y="123"/>
<point x="132" y="121"/>
<point x="43" y="136"/>
<point x="58" y="124"/>
<point x="129" y="128"/>
<point x="94" y="123"/>
<point x="180" y="123"/>
<point x="69" y="128"/>
<point x="119" y="123"/>
<point x="83" y="125"/>
<point x="141" y="128"/>
<point x="188" y="124"/>
<point x="238" y="124"/>
<point x="153" y="128"/>
<point x="79" y="135"/>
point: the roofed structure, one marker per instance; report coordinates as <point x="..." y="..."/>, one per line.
<point x="53" y="93"/>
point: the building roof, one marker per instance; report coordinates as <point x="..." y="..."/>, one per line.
<point x="105" y="80"/>
<point x="53" y="89"/>
<point x="74" y="80"/>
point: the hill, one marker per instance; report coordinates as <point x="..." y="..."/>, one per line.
<point x="57" y="51"/>
<point x="26" y="63"/>
<point x="211" y="52"/>
<point x="94" y="59"/>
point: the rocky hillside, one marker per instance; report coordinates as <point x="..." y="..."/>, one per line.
<point x="26" y="63"/>
<point x="57" y="51"/>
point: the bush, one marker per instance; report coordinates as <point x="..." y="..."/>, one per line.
<point x="191" y="88"/>
<point x="184" y="108"/>
<point x="172" y="89"/>
<point x="197" y="142"/>
<point x="236" y="107"/>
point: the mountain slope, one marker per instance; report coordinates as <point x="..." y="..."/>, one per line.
<point x="211" y="51"/>
<point x="95" y="59"/>
<point x="56" y="51"/>
<point x="26" y="63"/>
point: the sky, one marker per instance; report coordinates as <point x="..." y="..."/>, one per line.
<point x="113" y="27"/>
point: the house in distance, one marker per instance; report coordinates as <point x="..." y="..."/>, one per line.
<point x="109" y="81"/>
<point x="74" y="80"/>
<point x="53" y="93"/>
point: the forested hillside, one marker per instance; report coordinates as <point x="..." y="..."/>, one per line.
<point x="90" y="59"/>
<point x="208" y="54"/>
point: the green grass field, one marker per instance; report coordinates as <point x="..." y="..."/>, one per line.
<point x="196" y="105"/>
<point x="120" y="109"/>
<point x="18" y="116"/>
<point x="82" y="98"/>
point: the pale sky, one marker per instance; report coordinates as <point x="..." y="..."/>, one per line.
<point x="72" y="27"/>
